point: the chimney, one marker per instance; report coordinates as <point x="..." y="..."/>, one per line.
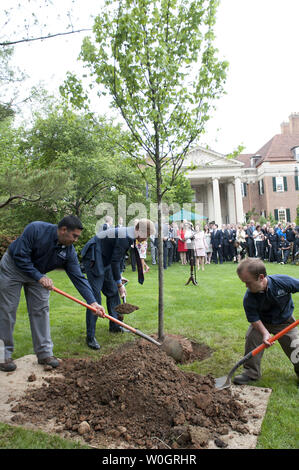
<point x="294" y="123"/>
<point x="285" y="128"/>
<point x="253" y="160"/>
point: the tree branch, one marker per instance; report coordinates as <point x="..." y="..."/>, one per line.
<point x="23" y="198"/>
<point x="10" y="43"/>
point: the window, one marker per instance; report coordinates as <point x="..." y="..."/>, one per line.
<point x="280" y="184"/>
<point x="296" y="153"/>
<point x="244" y="189"/>
<point x="282" y="215"/>
<point x="261" y="187"/>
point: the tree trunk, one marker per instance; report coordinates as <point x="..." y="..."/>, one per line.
<point x="160" y="257"/>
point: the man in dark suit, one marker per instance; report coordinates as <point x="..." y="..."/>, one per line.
<point x="226" y="245"/>
<point x="102" y="257"/>
<point x="250" y="241"/>
<point x="217" y="245"/>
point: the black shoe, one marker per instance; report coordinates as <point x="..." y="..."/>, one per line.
<point x="8" y="365"/>
<point x="92" y="343"/>
<point x="49" y="361"/>
<point x="120" y="329"/>
<point x="243" y="379"/>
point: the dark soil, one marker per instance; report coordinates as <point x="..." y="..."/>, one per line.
<point x="125" y="308"/>
<point x="137" y="397"/>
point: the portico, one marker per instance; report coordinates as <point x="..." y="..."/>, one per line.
<point x="217" y="182"/>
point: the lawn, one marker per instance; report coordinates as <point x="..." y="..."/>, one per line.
<point x="209" y="313"/>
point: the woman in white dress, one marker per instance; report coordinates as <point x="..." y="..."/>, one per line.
<point x="200" y="247"/>
<point x="209" y="250"/>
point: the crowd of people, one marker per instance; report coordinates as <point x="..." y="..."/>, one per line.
<point x="229" y="243"/>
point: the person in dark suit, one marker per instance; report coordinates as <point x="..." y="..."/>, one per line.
<point x="250" y="241"/>
<point x="102" y="257"/>
<point x="273" y="241"/>
<point x="217" y="244"/>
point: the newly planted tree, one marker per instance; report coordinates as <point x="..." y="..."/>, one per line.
<point x="157" y="61"/>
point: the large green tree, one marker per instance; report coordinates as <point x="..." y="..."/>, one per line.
<point x="157" y="61"/>
<point x="84" y="150"/>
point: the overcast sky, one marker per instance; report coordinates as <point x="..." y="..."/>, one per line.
<point x="259" y="39"/>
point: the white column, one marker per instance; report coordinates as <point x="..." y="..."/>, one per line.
<point x="210" y="202"/>
<point x="239" y="201"/>
<point x="217" y="204"/>
<point x="231" y="203"/>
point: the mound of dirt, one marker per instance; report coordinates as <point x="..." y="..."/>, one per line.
<point x="136" y="397"/>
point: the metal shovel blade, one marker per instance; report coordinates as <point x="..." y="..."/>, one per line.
<point x="223" y="382"/>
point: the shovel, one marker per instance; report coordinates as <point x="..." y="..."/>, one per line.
<point x="225" y="382"/>
<point x="127" y="327"/>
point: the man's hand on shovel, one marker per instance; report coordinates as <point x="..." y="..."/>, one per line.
<point x="46" y="282"/>
<point x="122" y="291"/>
<point x="100" y="311"/>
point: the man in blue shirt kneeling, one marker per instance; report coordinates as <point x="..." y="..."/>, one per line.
<point x="269" y="307"/>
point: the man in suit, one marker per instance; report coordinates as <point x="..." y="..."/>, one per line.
<point x="102" y="256"/>
<point x="217" y="244"/>
<point x="226" y="246"/>
<point x="250" y="241"/>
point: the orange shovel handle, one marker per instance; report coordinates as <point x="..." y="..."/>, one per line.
<point x="275" y="337"/>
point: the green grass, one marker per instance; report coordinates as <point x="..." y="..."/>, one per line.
<point x="210" y="313"/>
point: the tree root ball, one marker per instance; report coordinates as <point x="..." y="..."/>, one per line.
<point x="183" y="350"/>
<point x="83" y="428"/>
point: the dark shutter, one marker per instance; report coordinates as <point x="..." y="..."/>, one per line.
<point x="288" y="215"/>
<point x="285" y="183"/>
<point x="296" y="182"/>
<point x="276" y="214"/>
<point x="274" y="185"/>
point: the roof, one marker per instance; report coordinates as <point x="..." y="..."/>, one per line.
<point x="245" y="158"/>
<point x="278" y="149"/>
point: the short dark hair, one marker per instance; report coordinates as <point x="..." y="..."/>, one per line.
<point x="254" y="266"/>
<point x="71" y="222"/>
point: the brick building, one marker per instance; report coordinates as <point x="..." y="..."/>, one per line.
<point x="267" y="181"/>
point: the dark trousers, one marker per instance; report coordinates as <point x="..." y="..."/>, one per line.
<point x="260" y="249"/>
<point x="273" y="254"/>
<point x="133" y="259"/>
<point x="107" y="285"/>
<point x="217" y="253"/>
<point x="251" y="248"/>
<point x="170" y="254"/>
<point x="285" y="255"/>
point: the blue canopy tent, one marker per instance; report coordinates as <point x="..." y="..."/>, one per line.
<point x="186" y="215"/>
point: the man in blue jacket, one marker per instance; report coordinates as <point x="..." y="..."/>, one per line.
<point x="102" y="259"/>
<point x="217" y="244"/>
<point x="41" y="248"/>
<point x="269" y="307"/>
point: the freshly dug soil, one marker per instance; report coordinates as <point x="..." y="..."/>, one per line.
<point x="137" y="397"/>
<point x="125" y="308"/>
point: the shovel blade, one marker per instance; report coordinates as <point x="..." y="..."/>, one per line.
<point x="223" y="382"/>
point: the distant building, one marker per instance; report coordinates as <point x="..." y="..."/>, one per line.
<point x="267" y="181"/>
